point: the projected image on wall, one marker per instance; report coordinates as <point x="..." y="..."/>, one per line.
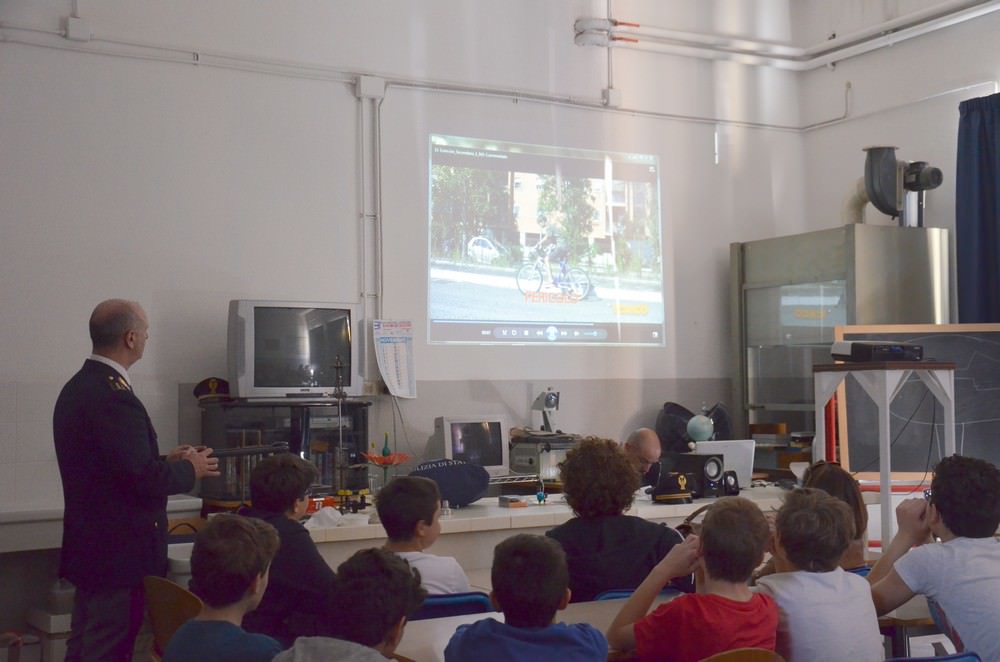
<point x="540" y="244"/>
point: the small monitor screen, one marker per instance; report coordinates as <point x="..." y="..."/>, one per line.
<point x="301" y="347"/>
<point x="477" y="442"/>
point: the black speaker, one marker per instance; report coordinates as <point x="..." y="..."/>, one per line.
<point x="704" y="471"/>
<point x="730" y="483"/>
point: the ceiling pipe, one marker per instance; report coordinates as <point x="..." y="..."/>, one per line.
<point x="613" y="33"/>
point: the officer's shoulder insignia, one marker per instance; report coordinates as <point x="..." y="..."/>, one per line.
<point x="118" y="383"/>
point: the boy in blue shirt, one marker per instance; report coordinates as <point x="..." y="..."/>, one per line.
<point x="229" y="567"/>
<point x="530" y="583"/>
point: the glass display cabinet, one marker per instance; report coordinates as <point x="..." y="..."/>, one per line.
<point x="788" y="294"/>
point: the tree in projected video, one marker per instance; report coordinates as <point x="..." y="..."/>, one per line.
<point x="466" y="202"/>
<point x="572" y="201"/>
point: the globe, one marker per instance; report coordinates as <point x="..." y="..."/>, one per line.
<point x="700" y="428"/>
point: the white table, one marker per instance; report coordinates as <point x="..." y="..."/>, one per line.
<point x="471" y="533"/>
<point x="882" y="382"/>
<point x="426" y="640"/>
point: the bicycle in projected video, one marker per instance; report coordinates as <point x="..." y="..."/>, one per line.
<point x="571" y="281"/>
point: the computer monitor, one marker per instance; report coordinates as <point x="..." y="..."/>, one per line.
<point x="481" y="440"/>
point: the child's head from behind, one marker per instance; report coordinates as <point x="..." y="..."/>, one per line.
<point x="280" y="481"/>
<point x="376" y="590"/>
<point x="598" y="478"/>
<point x="966" y="493"/>
<point x="530" y="580"/>
<point x="405" y="503"/>
<point x="734" y="536"/>
<point x="835" y="481"/>
<point x="230" y="560"/>
<point x="814" y="529"/>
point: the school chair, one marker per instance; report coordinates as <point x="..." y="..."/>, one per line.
<point x="453" y="604"/>
<point x="169" y="606"/>
<point x="618" y="593"/>
<point x="746" y="655"/>
<point x="957" y="657"/>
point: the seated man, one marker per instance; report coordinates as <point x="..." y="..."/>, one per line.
<point x="229" y="565"/>
<point x="377" y="592"/>
<point x="530" y="584"/>
<point x="643" y="446"/>
<point x="300" y="579"/>
<point x="961" y="572"/>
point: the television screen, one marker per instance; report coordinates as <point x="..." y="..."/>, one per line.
<point x="286" y="348"/>
<point x="301" y="346"/>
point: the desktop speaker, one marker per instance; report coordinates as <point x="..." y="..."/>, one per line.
<point x="704" y="471"/>
<point x="730" y="483"/>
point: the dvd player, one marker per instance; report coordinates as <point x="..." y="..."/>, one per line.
<point x="875" y="350"/>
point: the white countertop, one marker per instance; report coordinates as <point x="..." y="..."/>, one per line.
<point x="487" y="515"/>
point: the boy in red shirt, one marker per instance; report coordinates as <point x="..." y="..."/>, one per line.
<point x="724" y="614"/>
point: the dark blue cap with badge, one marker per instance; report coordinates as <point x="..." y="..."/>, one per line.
<point x="460" y="483"/>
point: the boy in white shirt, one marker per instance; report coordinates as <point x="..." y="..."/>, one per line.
<point x="961" y="573"/>
<point x="410" y="508"/>
<point x="824" y="612"/>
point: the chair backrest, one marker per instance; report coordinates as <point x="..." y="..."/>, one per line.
<point x="169" y="606"/>
<point x="617" y="593"/>
<point x="746" y="655"/>
<point x="957" y="657"/>
<point x="453" y="604"/>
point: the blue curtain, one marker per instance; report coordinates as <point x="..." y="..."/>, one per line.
<point x="977" y="210"/>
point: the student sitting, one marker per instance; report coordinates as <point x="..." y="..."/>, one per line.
<point x="229" y="565"/>
<point x="835" y="481"/>
<point x="410" y="510"/>
<point x="605" y="548"/>
<point x="377" y="592"/>
<point x="300" y="579"/>
<point x="530" y="583"/>
<point x="961" y="573"/>
<point x="825" y="612"/>
<point x="724" y="614"/>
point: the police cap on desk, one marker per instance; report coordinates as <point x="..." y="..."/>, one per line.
<point x="460" y="483"/>
<point x="212" y="388"/>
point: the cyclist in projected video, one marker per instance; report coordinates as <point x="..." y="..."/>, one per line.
<point x="552" y="243"/>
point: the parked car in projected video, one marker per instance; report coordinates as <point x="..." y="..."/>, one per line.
<point x="485" y="250"/>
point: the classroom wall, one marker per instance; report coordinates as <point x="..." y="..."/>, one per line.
<point x="185" y="186"/>
<point x="185" y="183"/>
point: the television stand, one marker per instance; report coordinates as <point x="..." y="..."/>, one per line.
<point x="329" y="433"/>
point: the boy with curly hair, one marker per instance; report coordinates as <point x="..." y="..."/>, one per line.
<point x="961" y="572"/>
<point x="605" y="548"/>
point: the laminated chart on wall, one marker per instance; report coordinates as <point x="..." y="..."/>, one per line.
<point x="394" y="352"/>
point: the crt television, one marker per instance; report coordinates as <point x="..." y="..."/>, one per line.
<point x="293" y="348"/>
<point x="482" y="440"/>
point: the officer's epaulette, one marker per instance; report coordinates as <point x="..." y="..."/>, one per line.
<point x="118" y="383"/>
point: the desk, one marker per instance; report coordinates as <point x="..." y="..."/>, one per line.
<point x="882" y="381"/>
<point x="426" y="640"/>
<point x="471" y="533"/>
<point x="912" y="617"/>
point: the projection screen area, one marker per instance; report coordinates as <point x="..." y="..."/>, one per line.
<point x="543" y="244"/>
